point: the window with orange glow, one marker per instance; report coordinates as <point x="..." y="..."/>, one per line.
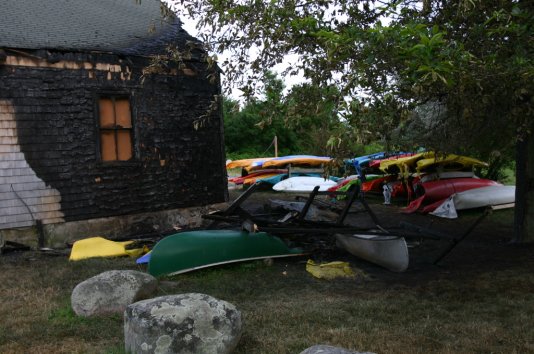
<point x="115" y="121"/>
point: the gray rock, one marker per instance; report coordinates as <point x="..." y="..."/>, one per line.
<point x="111" y="291"/>
<point x="328" y="349"/>
<point x="186" y="323"/>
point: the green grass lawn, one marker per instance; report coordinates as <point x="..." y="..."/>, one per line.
<point x="285" y="309"/>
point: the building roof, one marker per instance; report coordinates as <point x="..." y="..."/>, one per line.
<point x="131" y="27"/>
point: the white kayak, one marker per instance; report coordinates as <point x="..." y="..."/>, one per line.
<point x="475" y="198"/>
<point x="447" y="175"/>
<point x="390" y="252"/>
<point x="303" y="184"/>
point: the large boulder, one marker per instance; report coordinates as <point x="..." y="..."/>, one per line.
<point x="186" y="323"/>
<point x="328" y="349"/>
<point x="111" y="291"/>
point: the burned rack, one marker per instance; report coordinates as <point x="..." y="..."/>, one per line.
<point x="296" y="222"/>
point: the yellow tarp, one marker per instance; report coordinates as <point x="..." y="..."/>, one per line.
<point x="330" y="270"/>
<point x="100" y="247"/>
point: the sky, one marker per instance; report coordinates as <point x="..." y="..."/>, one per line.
<point x="289" y="61"/>
<point x="190" y="26"/>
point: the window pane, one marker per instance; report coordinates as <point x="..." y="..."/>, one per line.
<point x="122" y="113"/>
<point x="124" y="143"/>
<point x="107" y="146"/>
<point x="107" y="119"/>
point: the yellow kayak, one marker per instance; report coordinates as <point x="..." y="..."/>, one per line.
<point x="449" y="162"/>
<point x="246" y="163"/>
<point x="404" y="165"/>
<point x="308" y="160"/>
<point x="427" y="161"/>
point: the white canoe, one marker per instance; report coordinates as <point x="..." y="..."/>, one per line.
<point x="390" y="252"/>
<point x="475" y="198"/>
<point x="303" y="184"/>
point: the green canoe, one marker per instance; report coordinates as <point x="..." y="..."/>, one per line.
<point x="187" y="251"/>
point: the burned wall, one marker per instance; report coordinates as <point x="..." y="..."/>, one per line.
<point x="174" y="164"/>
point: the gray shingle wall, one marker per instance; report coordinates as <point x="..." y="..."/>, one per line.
<point x="23" y="196"/>
<point x="56" y="128"/>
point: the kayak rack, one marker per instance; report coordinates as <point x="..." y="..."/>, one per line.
<point x="295" y="222"/>
<point x="437" y="235"/>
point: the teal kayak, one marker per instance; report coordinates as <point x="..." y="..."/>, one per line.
<point x="188" y="251"/>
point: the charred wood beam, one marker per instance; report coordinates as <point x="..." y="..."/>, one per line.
<point x="308" y="203"/>
<point x="24" y="54"/>
<point x="235" y="204"/>
<point x="353" y="192"/>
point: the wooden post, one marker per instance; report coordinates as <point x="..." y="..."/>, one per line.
<point x="524" y="192"/>
<point x="275" y="146"/>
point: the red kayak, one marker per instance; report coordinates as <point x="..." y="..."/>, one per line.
<point x="375" y="185"/>
<point x="436" y="191"/>
<point x="241" y="179"/>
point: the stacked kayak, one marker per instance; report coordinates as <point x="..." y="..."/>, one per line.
<point x="428" y="179"/>
<point x="439" y="190"/>
<point x="500" y="196"/>
<point x="273" y="170"/>
<point x="304" y="184"/>
<point x="251" y="178"/>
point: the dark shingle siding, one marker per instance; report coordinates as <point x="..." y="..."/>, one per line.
<point x="116" y="26"/>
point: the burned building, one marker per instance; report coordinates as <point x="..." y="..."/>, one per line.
<point x="93" y="143"/>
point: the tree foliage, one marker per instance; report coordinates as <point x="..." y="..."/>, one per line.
<point x="249" y="130"/>
<point x="473" y="57"/>
<point x="303" y="121"/>
<point x="458" y="74"/>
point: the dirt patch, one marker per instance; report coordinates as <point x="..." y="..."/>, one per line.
<point x="486" y="248"/>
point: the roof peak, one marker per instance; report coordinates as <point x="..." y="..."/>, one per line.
<point x="132" y="27"/>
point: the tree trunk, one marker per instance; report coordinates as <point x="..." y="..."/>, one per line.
<point x="524" y="194"/>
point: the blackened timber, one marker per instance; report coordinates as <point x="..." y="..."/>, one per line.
<point x="354" y="191"/>
<point x="370" y="212"/>
<point x="235" y="204"/>
<point x="308" y="203"/>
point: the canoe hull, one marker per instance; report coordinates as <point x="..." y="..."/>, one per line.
<point x="188" y="251"/>
<point x="390" y="252"/>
